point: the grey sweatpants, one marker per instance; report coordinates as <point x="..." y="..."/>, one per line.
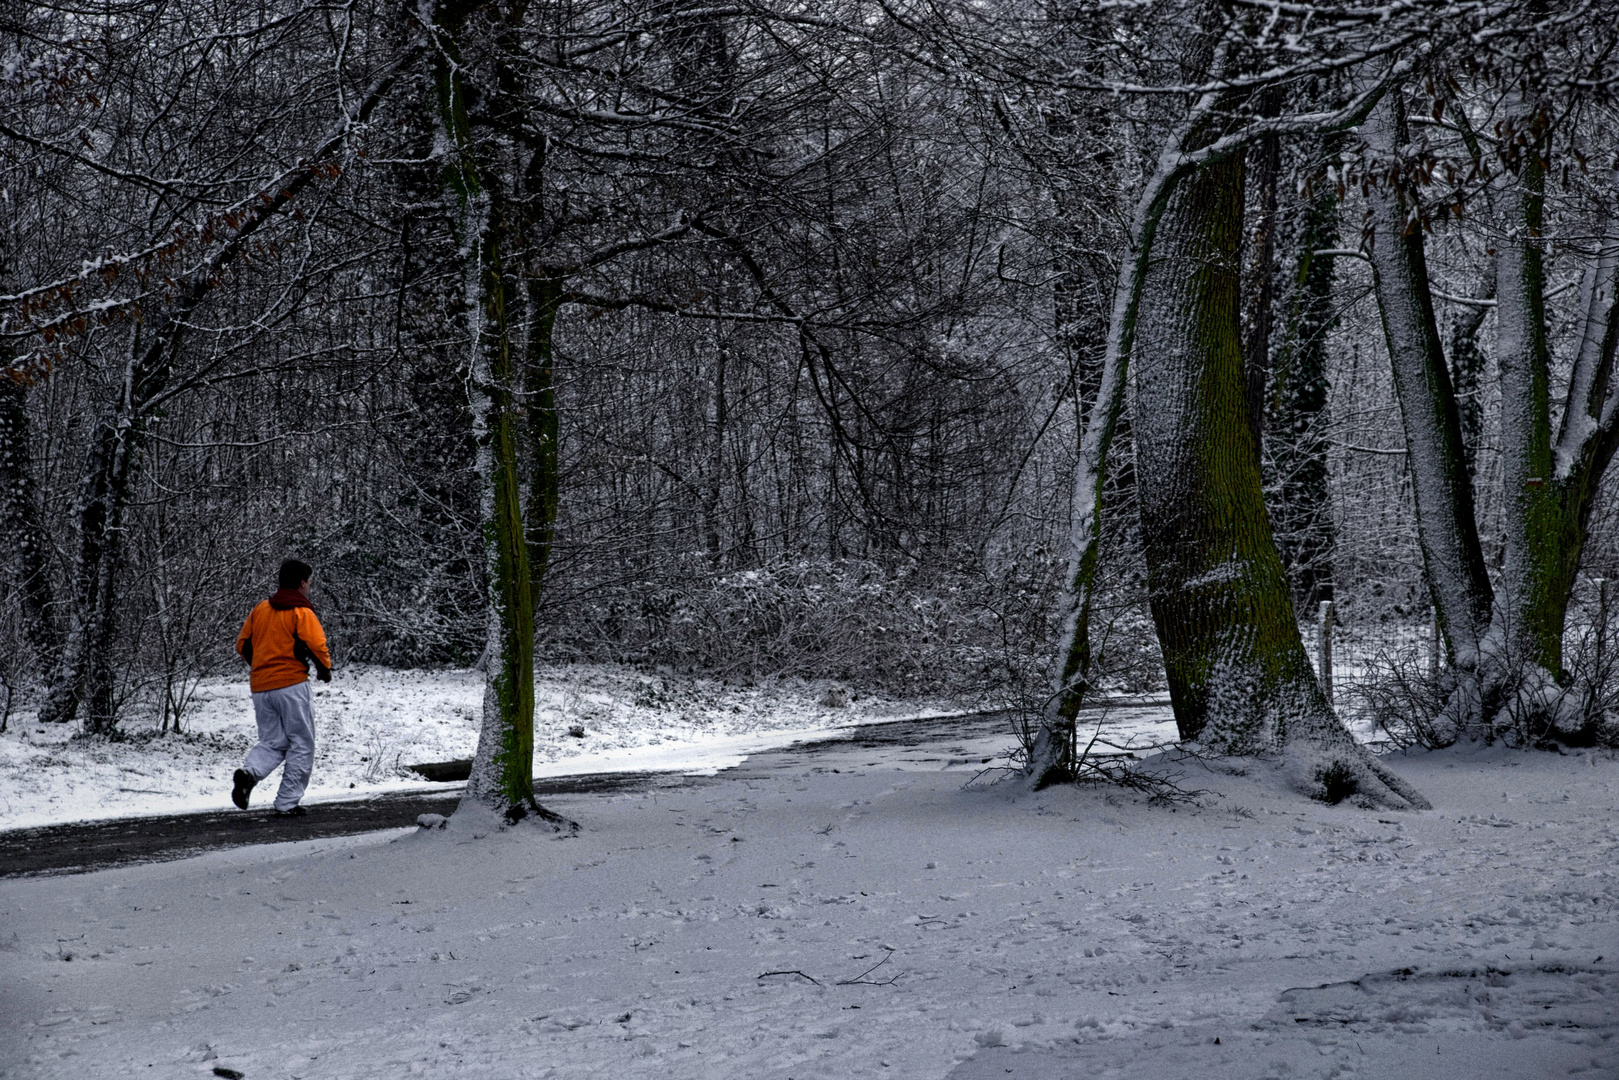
<point x="286" y="733"/>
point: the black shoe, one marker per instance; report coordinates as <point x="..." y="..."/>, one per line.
<point x="296" y="811"/>
<point x="244" y="785"/>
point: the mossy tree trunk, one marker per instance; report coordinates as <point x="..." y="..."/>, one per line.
<point x="1548" y="485"/>
<point x="502" y="780"/>
<point x="1239" y="678"/>
<point x="1539" y="552"/>
<point x="1243" y="665"/>
<point x="1506" y="644"/>
<point x="1295" y="450"/>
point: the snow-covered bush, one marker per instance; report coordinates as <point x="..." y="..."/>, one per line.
<point x="1404" y="694"/>
<point x="1592" y="652"/>
<point x="1403" y="697"/>
<point x="901" y="630"/>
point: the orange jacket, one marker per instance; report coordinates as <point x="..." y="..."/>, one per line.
<point x="266" y="643"/>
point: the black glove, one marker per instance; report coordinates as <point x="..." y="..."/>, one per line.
<point x="304" y="656"/>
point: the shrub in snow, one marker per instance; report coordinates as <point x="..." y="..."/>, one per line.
<point x="899" y="630"/>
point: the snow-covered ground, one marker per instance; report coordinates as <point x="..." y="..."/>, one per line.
<point x="858" y="912"/>
<point x="370" y="722"/>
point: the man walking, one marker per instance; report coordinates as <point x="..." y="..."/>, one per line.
<point x="278" y="641"/>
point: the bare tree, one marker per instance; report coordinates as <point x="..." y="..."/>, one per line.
<point x="1237" y="669"/>
<point x="1504" y="638"/>
<point x="196" y="234"/>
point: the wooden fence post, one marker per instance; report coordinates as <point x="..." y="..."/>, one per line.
<point x="1602" y="628"/>
<point x="1436" y="643"/>
<point x="1325" y="639"/>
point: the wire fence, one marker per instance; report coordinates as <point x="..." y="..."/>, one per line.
<point x="1355" y="650"/>
<point x="1348" y="655"/>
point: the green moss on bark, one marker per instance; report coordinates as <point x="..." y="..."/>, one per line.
<point x="1235" y="663"/>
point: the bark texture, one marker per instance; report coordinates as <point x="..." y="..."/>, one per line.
<point x="1540" y="552"/>
<point x="20" y="519"/>
<point x="1446" y="527"/>
<point x="1549" y="486"/>
<point x="502" y="780"/>
<point x="1238" y="675"/>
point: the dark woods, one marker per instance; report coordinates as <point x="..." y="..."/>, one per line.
<point x="770" y="339"/>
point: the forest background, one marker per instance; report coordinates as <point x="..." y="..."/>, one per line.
<point x="779" y="334"/>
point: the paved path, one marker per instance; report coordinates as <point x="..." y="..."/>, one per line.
<point x="92" y="845"/>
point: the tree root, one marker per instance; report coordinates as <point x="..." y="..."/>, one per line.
<point x="530" y="809"/>
<point x="481" y="816"/>
<point x="1336" y="774"/>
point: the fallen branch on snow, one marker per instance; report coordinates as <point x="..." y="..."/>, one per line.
<point x="795" y="971"/>
<point x="861" y="980"/>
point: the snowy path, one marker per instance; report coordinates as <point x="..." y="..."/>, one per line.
<point x="99" y="843"/>
<point x="1058" y="934"/>
<point x="371" y="723"/>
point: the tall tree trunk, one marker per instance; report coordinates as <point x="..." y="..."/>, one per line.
<point x="1299" y="493"/>
<point x="22" y="523"/>
<point x="1588" y="437"/>
<point x="545" y="461"/>
<point x="101" y="624"/>
<point x="545" y="290"/>
<point x="1238" y="674"/>
<point x="502" y="780"/>
<point x="1539" y="555"/>
<point x="1446" y="527"/>
<point x="1548" y="487"/>
<point x="1507" y="649"/>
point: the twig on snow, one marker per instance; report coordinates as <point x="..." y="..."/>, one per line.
<point x="1006" y="772"/>
<point x="795" y="971"/>
<point x="861" y="980"/>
